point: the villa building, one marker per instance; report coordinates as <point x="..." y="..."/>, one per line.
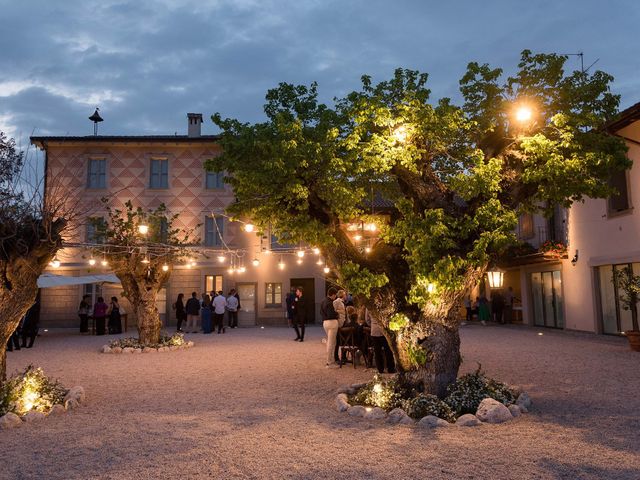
<point x="168" y="169"/>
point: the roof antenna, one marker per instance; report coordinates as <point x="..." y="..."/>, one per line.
<point x="95" y="118"/>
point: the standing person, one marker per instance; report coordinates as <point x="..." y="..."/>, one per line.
<point x="219" y="306"/>
<point x="181" y="313"/>
<point x="115" y="316"/>
<point x="381" y="351"/>
<point x="299" y="314"/>
<point x="205" y="313"/>
<point x="289" y="300"/>
<point x="483" y="310"/>
<point x="84" y="310"/>
<point x="467" y="307"/>
<point x="14" y="339"/>
<point x="232" y="308"/>
<point x="339" y="307"/>
<point x="100" y="315"/>
<point x="497" y="306"/>
<point x="508" y="305"/>
<point x="193" y="313"/>
<point x="330" y="325"/>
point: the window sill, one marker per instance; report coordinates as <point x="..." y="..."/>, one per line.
<point x="273" y="305"/>
<point x="621" y="213"/>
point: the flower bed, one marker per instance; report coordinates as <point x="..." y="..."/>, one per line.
<point x="474" y="398"/>
<point x="31" y="396"/>
<point x="132" y="345"/>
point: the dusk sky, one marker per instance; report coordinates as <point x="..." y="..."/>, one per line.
<point x="146" y="64"/>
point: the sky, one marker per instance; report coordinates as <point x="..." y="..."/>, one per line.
<point x="147" y="63"/>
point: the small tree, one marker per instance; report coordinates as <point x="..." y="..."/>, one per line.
<point x="628" y="285"/>
<point x="31" y="232"/>
<point x="142" y="261"/>
<point x="457" y="175"/>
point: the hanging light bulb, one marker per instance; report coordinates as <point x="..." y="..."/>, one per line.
<point x="143" y="229"/>
<point x="357" y="237"/>
<point x="326" y="269"/>
<point x="281" y="264"/>
<point x="221" y="258"/>
<point x="249" y="227"/>
<point x="299" y="261"/>
<point x="242" y="269"/>
<point x="316" y="251"/>
<point x="165" y="268"/>
<point x="145" y="260"/>
<point x="267" y="251"/>
<point x="372" y="227"/>
<point x="367" y="249"/>
<point x="55" y="263"/>
<point x="92" y="261"/>
<point x="256" y="262"/>
<point x="104" y="262"/>
<point x="300" y="253"/>
<point x="319" y="262"/>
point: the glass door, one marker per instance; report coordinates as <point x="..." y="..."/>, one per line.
<point x="546" y="289"/>
<point x="247" y="313"/>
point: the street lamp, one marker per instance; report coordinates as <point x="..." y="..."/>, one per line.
<point x="496" y="277"/>
<point x="401" y="134"/>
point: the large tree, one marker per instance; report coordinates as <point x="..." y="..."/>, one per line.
<point x="31" y="232"/>
<point x="141" y="259"/>
<point x="458" y="176"/>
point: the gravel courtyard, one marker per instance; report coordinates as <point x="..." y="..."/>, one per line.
<point x="254" y="404"/>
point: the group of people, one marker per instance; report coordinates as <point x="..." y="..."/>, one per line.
<point x="208" y="311"/>
<point x="498" y="308"/>
<point x="106" y="317"/>
<point x="27" y="330"/>
<point x="337" y="311"/>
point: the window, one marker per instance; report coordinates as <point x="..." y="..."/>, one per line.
<point x="619" y="202"/>
<point x="96" y="227"/>
<point x="94" y="290"/>
<point x="273" y="294"/>
<point x="614" y="318"/>
<point x="212" y="282"/>
<point x="159" y="173"/>
<point x="213" y="231"/>
<point x="525" y="226"/>
<point x="97" y="173"/>
<point x="214" y="180"/>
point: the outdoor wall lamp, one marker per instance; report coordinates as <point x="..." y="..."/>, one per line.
<point x="496" y="277"/>
<point x="574" y="260"/>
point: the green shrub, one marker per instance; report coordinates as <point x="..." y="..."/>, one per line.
<point x="176" y="339"/>
<point x="426" y="404"/>
<point x="385" y="393"/>
<point x="465" y="395"/>
<point x="30" y="390"/>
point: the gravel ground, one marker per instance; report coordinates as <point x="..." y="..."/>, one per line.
<point x="254" y="404"/>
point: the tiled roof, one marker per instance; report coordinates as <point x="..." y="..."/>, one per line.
<point x="624" y="118"/>
<point x="126" y="139"/>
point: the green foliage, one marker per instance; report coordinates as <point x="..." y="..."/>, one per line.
<point x="417" y="355"/>
<point x="398" y="321"/>
<point x="176" y="339"/>
<point x="386" y="393"/>
<point x="425" y="404"/>
<point x="628" y="285"/>
<point x="360" y="280"/>
<point x="465" y="395"/>
<point x="30" y="390"/>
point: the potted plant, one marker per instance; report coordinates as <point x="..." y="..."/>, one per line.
<point x="628" y="285"/>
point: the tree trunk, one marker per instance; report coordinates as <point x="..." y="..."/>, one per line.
<point x="149" y="324"/>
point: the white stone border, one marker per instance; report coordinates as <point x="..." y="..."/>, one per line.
<point x="73" y="399"/>
<point x="169" y="348"/>
<point x="489" y="411"/>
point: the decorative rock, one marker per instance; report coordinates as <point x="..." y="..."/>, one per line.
<point x="10" y="420"/>
<point x="515" y="410"/>
<point x="190" y="344"/>
<point x="116" y="350"/>
<point x="173" y="348"/>
<point x="406" y="420"/>
<point x="357" y="411"/>
<point x="33" y="416"/>
<point x="147" y="349"/>
<point x="76" y="393"/>
<point x="137" y="350"/>
<point x="468" y="420"/>
<point x="431" y="421"/>
<point x="106" y="349"/>
<point x="343" y="390"/>
<point x="524" y="402"/>
<point x="341" y="402"/>
<point x="397" y="415"/>
<point x="375" y="413"/>
<point x="71" y="403"/>
<point x="492" y="411"/>
<point x="357" y="386"/>
<point x="128" y="350"/>
<point x="57" y="409"/>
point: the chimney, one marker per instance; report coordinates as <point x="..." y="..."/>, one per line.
<point x="195" y="121"/>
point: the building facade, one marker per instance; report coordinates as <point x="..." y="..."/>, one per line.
<point x="154" y="170"/>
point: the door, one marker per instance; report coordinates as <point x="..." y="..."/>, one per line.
<point x="309" y="292"/>
<point x="247" y="312"/>
<point x="546" y="289"/>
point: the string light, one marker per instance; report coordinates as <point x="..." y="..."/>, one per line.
<point x="145" y="260"/>
<point x="367" y="249"/>
<point x="104" y="262"/>
<point x="281" y="264"/>
<point x="326" y="269"/>
<point x="165" y="268"/>
<point x="316" y="251"/>
<point x="242" y="269"/>
<point x="92" y="261"/>
<point x="55" y="263"/>
<point x="256" y="262"/>
<point x="299" y="261"/>
<point x="300" y="253"/>
<point x="143" y="229"/>
<point x="221" y="258"/>
<point x="249" y="227"/>
<point x="357" y="237"/>
<point x="319" y="262"/>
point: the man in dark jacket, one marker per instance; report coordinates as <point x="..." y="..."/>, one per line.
<point x="299" y="314"/>
<point x="193" y="313"/>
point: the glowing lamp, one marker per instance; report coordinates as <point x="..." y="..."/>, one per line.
<point x="249" y="227"/>
<point x="299" y="261"/>
<point x="496" y="278"/>
<point x="165" y="268"/>
<point x="143" y="229"/>
<point x="326" y="269"/>
<point x="221" y="258"/>
<point x="242" y="269"/>
<point x="319" y="262"/>
<point x="145" y="260"/>
<point x="431" y="288"/>
<point x="367" y="249"/>
<point x="357" y="237"/>
<point x="104" y="262"/>
<point x="281" y="265"/>
<point x="55" y="263"/>
<point x="401" y="134"/>
<point x="524" y="114"/>
<point x="377" y="388"/>
<point x="300" y="253"/>
<point x="92" y="261"/>
<point x="316" y="251"/>
<point x="256" y="262"/>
